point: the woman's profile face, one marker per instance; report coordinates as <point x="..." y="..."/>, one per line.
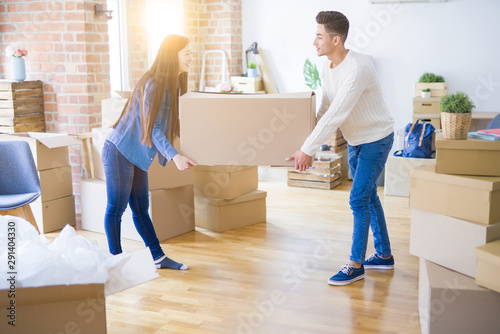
<point x="185" y="58"/>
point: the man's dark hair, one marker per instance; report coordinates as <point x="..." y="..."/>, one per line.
<point x="335" y="23"/>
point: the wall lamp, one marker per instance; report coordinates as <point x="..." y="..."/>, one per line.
<point x="99" y="10"/>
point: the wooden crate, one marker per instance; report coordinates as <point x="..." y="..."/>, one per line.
<point x="438" y="89"/>
<point x="434" y="119"/>
<point x="323" y="174"/>
<point x="337" y="142"/>
<point x="426" y="105"/>
<point x="21" y="106"/>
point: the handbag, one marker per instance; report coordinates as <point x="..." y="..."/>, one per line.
<point x="418" y="140"/>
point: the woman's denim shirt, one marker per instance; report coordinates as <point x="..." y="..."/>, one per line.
<point x="127" y="134"/>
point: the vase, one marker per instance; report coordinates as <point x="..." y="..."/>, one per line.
<point x="251" y="72"/>
<point x="18" y="69"/>
<point x="426" y="95"/>
<point x="455" y="125"/>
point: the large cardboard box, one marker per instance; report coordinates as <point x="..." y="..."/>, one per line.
<point x="472" y="198"/>
<point x="449" y="302"/>
<point x="397" y="174"/>
<point x="238" y="129"/>
<point x="488" y="265"/>
<point x="53" y="215"/>
<point x="159" y="177"/>
<point x="468" y="157"/>
<point x="171" y="210"/>
<point x="449" y="241"/>
<point x="50" y="150"/>
<point x="55" y="183"/>
<point x="226" y="182"/>
<point x="221" y="215"/>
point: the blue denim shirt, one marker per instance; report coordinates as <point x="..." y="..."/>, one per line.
<point x="127" y="134"/>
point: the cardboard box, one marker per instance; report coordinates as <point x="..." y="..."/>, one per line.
<point x="428" y="105"/>
<point x="111" y="110"/>
<point x="236" y="129"/>
<point x="50" y="150"/>
<point x="159" y="177"/>
<point x="467" y="157"/>
<point x="434" y="119"/>
<point x="488" y="265"/>
<point x="438" y="89"/>
<point x="79" y="308"/>
<point x="55" y="214"/>
<point x="55" y="183"/>
<point x="249" y="84"/>
<point x="171" y="210"/>
<point x="226" y="182"/>
<point x="472" y="198"/>
<point x="397" y="174"/>
<point x="449" y="302"/>
<point x="448" y="241"/>
<point x="221" y="215"/>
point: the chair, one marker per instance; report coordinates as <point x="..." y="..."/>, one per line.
<point x="19" y="181"/>
<point x="494" y="123"/>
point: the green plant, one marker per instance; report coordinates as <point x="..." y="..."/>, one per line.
<point x="458" y="103"/>
<point x="252" y="64"/>
<point x="430" y="77"/>
<point x="426" y="90"/>
<point x="311" y="74"/>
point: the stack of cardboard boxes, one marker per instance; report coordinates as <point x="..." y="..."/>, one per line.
<point x="226" y="197"/>
<point x="455" y="218"/>
<point x="56" y="205"/>
<point x="428" y="108"/>
<point x="171" y="192"/>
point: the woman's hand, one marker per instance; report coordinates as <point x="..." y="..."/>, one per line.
<point x="183" y="163"/>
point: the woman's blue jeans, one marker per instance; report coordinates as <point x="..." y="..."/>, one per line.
<point x="366" y="162"/>
<point x="126" y="183"/>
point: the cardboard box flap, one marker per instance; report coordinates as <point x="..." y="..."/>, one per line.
<point x="489" y="183"/>
<point x="212" y="95"/>
<point x="53" y="140"/>
<point x="220" y="168"/>
<point x="440" y="277"/>
<point x="55" y="294"/>
<point x="489" y="252"/>
<point x="251" y="196"/>
<point x="468" y="144"/>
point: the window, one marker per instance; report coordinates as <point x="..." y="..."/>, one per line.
<point x="117" y="30"/>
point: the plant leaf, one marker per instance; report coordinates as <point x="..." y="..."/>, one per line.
<point x="311" y="75"/>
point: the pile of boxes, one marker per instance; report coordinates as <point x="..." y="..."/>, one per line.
<point x="428" y="107"/>
<point x="226" y="197"/>
<point x="455" y="230"/>
<point x="56" y="205"/>
<point x="21" y="106"/>
<point x="171" y="192"/>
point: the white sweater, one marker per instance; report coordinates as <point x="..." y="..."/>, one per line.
<point x="352" y="101"/>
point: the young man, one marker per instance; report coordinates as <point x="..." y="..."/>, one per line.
<point x="352" y="101"/>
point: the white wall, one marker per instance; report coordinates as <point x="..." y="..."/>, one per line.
<point x="458" y="39"/>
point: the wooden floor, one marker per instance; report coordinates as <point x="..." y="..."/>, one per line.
<point x="272" y="277"/>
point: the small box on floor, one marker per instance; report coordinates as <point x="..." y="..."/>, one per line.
<point x="488" y="265"/>
<point x="225" y="182"/>
<point x="53" y="215"/>
<point x="449" y="241"/>
<point x="449" y="302"/>
<point x="220" y="215"/>
<point x="472" y="198"/>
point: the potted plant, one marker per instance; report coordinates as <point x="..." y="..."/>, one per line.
<point x="435" y="83"/>
<point x="426" y="93"/>
<point x="456" y="113"/>
<point x="252" y="69"/>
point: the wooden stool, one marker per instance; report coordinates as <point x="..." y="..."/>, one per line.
<point x="23" y="212"/>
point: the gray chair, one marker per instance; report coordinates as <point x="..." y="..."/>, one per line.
<point x="19" y="181"/>
<point x="495" y="123"/>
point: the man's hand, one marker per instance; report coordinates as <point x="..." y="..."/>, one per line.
<point x="183" y="163"/>
<point x="302" y="160"/>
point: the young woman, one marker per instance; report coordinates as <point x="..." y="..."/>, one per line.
<point x="146" y="127"/>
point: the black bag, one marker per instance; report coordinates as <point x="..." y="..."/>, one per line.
<point x="418" y="140"/>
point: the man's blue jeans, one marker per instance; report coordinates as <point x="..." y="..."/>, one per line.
<point x="366" y="162"/>
<point x="126" y="183"/>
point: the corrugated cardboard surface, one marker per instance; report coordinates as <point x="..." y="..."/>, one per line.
<point x="56" y="183"/>
<point x="397" y="174"/>
<point x="57" y="309"/>
<point x="236" y="129"/>
<point x="472" y="198"/>
<point x="55" y="214"/>
<point x="226" y="182"/>
<point x="468" y="157"/>
<point x="220" y="215"/>
<point x="171" y="210"/>
<point x="448" y="241"/>
<point x="450" y="302"/>
<point x="488" y="265"/>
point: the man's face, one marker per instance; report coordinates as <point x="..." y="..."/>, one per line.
<point x="323" y="42"/>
